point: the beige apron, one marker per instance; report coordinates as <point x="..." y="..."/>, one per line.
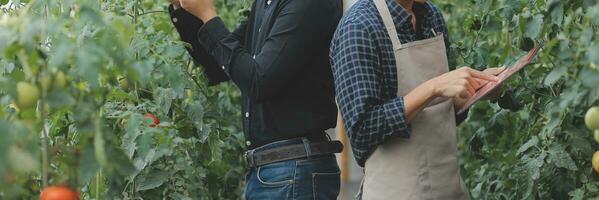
<point x="425" y="166"/>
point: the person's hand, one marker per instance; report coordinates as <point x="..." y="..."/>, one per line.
<point x="461" y="83"/>
<point x="203" y="9"/>
<point x="175" y="3"/>
<point x="459" y="102"/>
<point x="497" y="92"/>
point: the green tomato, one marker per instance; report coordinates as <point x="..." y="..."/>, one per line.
<point x="591" y="119"/>
<point x="55" y="81"/>
<point x="27" y="95"/>
<point x="46" y="82"/>
<point x="123" y="82"/>
<point x="60" y="81"/>
<point x="595" y="161"/>
<point x="596" y="136"/>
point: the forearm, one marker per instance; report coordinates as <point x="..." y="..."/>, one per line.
<point x="416" y="99"/>
<point x="187" y="26"/>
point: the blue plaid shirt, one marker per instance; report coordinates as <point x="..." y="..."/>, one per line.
<point x="365" y="72"/>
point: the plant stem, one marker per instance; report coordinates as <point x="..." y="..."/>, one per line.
<point x="42" y="105"/>
<point x="153" y="11"/>
<point x="98" y="176"/>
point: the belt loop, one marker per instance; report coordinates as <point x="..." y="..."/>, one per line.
<point x="250" y="158"/>
<point x="307" y="147"/>
<point x="328" y="136"/>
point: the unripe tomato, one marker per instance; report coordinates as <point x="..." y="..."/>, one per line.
<point x="46" y="82"/>
<point x="59" y="80"/>
<point x="596" y="134"/>
<point x="58" y="193"/>
<point x="123" y="82"/>
<point x="27" y="95"/>
<point x="153" y="117"/>
<point x="592" y="118"/>
<point x="54" y="81"/>
<point x="596" y="161"/>
<point x="189" y="94"/>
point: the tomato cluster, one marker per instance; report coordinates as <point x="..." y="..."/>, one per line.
<point x="591" y="119"/>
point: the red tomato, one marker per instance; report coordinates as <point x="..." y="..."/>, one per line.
<point x="153" y="117"/>
<point x="58" y="193"/>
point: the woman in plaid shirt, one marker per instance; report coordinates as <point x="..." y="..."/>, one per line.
<point x="397" y="98"/>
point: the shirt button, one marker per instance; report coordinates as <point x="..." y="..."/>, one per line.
<point x="254" y="56"/>
<point x="247" y="114"/>
<point x="175" y="19"/>
<point x="223" y="67"/>
<point x="259" y="30"/>
<point x="248" y="143"/>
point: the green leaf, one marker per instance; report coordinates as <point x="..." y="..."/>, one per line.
<point x="555" y="75"/>
<point x="559" y="157"/>
<point x="556" y="8"/>
<point x="534" y="166"/>
<point x="164" y="98"/>
<point x="589" y="77"/>
<point x="531" y="143"/>
<point x="151" y="181"/>
<point x="594" y="14"/>
<point x="88" y="164"/>
<point x="534" y="26"/>
<point x="577" y="194"/>
<point x="195" y="113"/>
<point x="97" y="185"/>
<point x="120" y="163"/>
<point x="60" y="98"/>
<point x="593" y="53"/>
<point x="21" y="161"/>
<point x="132" y="132"/>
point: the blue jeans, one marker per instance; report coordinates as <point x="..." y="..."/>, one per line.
<point x="308" y="178"/>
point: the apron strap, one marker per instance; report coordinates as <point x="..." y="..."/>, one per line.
<point x="381" y="6"/>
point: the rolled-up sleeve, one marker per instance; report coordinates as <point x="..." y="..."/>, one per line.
<point x="369" y="119"/>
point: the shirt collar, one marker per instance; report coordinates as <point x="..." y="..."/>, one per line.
<point x="400" y="15"/>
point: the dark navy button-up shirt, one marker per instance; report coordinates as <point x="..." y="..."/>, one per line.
<point x="279" y="59"/>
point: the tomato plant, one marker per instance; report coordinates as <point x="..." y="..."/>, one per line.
<point x="532" y="143"/>
<point x="77" y="78"/>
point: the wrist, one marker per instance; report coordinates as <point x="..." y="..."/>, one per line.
<point x="206" y="16"/>
<point x="431" y="88"/>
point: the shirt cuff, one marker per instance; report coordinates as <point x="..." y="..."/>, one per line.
<point x="186" y="24"/>
<point x="177" y="15"/>
<point x="396" y="118"/>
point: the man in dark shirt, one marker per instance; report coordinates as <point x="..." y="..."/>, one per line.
<point x="279" y="60"/>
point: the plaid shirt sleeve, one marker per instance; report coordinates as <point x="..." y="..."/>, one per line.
<point x="368" y="118"/>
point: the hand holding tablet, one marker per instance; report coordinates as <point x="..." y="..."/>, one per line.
<point x="489" y="86"/>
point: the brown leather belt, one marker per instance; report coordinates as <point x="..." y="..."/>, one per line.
<point x="294" y="151"/>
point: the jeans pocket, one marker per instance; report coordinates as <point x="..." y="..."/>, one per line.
<point x="326" y="186"/>
<point x="275" y="175"/>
